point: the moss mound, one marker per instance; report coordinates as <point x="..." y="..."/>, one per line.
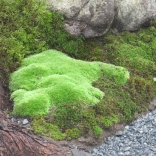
<point x="52" y="78"/>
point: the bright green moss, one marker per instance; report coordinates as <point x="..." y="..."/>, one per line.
<point x="52" y="78"/>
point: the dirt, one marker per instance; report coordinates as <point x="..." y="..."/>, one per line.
<point x="83" y="143"/>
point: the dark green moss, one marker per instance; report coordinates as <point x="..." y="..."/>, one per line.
<point x="73" y="133"/>
<point x="68" y="115"/>
<point x="40" y="126"/>
<point x="28" y="28"/>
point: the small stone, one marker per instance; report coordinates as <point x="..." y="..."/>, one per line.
<point x="78" y="153"/>
<point x="127" y="153"/>
<point x="119" y="133"/>
<point x="13" y="119"/>
<point x="25" y="121"/>
<point x="113" y="153"/>
<point x="130" y="142"/>
<point x="127" y="127"/>
<point x="154" y="112"/>
<point x="73" y="147"/>
<point x="153" y="149"/>
<point x="121" y="154"/>
<point x="100" y="154"/>
<point x="121" y="144"/>
<point x="94" y="151"/>
<point x="151" y="117"/>
<point x="18" y="122"/>
<point x="127" y="148"/>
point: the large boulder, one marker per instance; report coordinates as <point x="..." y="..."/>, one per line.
<point x="132" y="14"/>
<point x="90" y="18"/>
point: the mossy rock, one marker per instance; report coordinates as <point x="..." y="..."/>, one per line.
<point x="51" y="78"/>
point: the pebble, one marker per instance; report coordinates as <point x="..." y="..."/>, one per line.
<point x="137" y="139"/>
<point x="76" y="152"/>
<point x="25" y="121"/>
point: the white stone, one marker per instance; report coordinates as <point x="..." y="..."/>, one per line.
<point x="25" y="121"/>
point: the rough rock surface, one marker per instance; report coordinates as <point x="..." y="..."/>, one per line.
<point x="90" y="18"/>
<point x="132" y="14"/>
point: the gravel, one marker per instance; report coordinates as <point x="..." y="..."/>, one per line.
<point x="137" y="139"/>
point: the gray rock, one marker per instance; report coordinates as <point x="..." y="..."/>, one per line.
<point x="100" y="154"/>
<point x="90" y="18"/>
<point x="119" y="133"/>
<point x="13" y="119"/>
<point x="132" y="14"/>
<point x="154" y="112"/>
<point x="77" y="152"/>
<point x="127" y="153"/>
<point x="25" y="121"/>
<point x="127" y="148"/>
<point x="121" y="154"/>
<point x="19" y="122"/>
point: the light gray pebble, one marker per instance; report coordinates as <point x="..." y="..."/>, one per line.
<point x="121" y="154"/>
<point x="127" y="153"/>
<point x="25" y="121"/>
<point x="154" y="112"/>
<point x="127" y="148"/>
<point x="119" y="133"/>
<point x="13" y="119"/>
<point x="19" y="122"/>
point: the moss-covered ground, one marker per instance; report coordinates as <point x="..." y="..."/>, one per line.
<point x="135" y="51"/>
<point x="29" y="29"/>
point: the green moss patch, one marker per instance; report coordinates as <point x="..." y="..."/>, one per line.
<point x="74" y="97"/>
<point x="52" y="78"/>
<point x="41" y="126"/>
<point x="136" y="52"/>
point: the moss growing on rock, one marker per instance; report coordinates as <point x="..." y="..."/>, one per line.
<point x="52" y="78"/>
